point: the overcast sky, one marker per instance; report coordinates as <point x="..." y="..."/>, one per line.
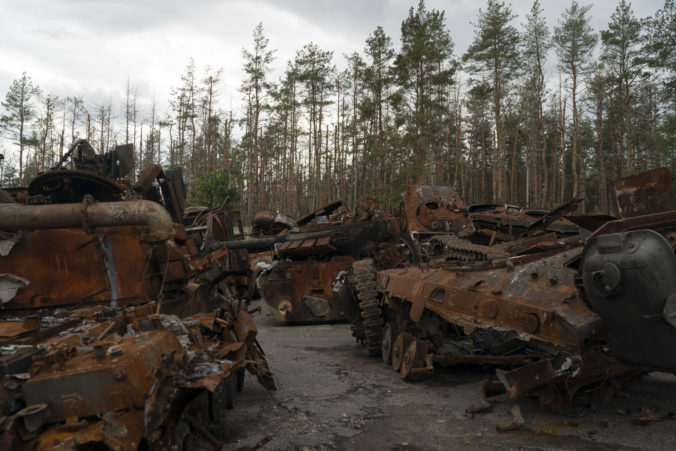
<point x="90" y="47"/>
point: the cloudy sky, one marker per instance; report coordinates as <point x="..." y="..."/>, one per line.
<point x="90" y="47"/>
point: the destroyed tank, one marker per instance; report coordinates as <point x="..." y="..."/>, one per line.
<point x="113" y="333"/>
<point x="553" y="316"/>
<point x="297" y="285"/>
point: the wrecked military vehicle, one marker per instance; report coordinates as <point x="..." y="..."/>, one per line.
<point x="428" y="210"/>
<point x="113" y="330"/>
<point x="552" y="313"/>
<point x="439" y="228"/>
<point x="297" y="287"/>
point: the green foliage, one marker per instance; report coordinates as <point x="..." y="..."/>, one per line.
<point x="660" y="46"/>
<point x="217" y="188"/>
<point x="575" y="39"/>
<point x="20" y="111"/>
<point x="495" y="48"/>
<point x="535" y="45"/>
<point x="315" y="69"/>
<point x="423" y="69"/>
<point x="621" y="43"/>
<point x="18" y="107"/>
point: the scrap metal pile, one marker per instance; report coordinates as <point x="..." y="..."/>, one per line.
<point x="554" y="311"/>
<point x="123" y="321"/>
<point x="119" y="327"/>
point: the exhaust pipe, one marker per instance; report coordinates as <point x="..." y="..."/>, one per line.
<point x="89" y="214"/>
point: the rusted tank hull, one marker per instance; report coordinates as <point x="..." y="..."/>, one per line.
<point x="645" y="193"/>
<point x="299" y="285"/>
<point x="525" y="315"/>
<point x="137" y="381"/>
<point x="93" y="351"/>
<point x="70" y="266"/>
<point x="536" y="298"/>
<point x="302" y="291"/>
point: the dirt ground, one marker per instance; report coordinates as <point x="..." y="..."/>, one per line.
<point x="331" y="395"/>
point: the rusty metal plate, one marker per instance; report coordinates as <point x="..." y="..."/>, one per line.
<point x="88" y="385"/>
<point x="290" y="282"/>
<point x="434" y="209"/>
<point x="645" y="193"/>
<point x="112" y="265"/>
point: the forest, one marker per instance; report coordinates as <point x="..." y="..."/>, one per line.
<point x="494" y="121"/>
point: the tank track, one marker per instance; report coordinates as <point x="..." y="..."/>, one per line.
<point x="452" y="248"/>
<point x="369" y="327"/>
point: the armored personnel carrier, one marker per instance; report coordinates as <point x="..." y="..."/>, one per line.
<point x="552" y="316"/>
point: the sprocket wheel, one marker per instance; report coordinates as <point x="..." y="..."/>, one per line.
<point x="364" y="283"/>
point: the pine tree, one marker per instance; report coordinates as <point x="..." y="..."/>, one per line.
<point x="495" y="53"/>
<point x="621" y="52"/>
<point x="315" y="73"/>
<point x="256" y="68"/>
<point x="536" y="43"/>
<point x="575" y="42"/>
<point x="46" y="125"/>
<point x="19" y="112"/>
<point x="423" y="65"/>
<point x="379" y="49"/>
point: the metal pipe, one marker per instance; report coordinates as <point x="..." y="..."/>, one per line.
<point x="90" y="214"/>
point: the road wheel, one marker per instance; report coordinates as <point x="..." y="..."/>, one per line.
<point x="389" y="335"/>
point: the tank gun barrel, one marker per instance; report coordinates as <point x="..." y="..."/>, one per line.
<point x="251" y="243"/>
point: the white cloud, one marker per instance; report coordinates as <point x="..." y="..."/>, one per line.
<point x="90" y="47"/>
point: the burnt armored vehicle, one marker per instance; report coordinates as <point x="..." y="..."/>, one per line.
<point x="428" y="210"/>
<point x="440" y="228"/>
<point x="299" y="285"/>
<point x="553" y="317"/>
<point x="439" y="224"/>
<point x="113" y="333"/>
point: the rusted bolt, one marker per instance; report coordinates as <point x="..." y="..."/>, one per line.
<point x="488" y="309"/>
<point x="530" y="322"/>
<point x="119" y="374"/>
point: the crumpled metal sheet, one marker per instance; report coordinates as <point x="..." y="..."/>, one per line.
<point x="9" y="285"/>
<point x="122" y="379"/>
<point x="7" y="242"/>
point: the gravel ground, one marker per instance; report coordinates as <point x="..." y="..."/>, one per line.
<point x="331" y="395"/>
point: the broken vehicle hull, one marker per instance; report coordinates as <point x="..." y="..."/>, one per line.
<point x="114" y="329"/>
<point x="554" y="313"/>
